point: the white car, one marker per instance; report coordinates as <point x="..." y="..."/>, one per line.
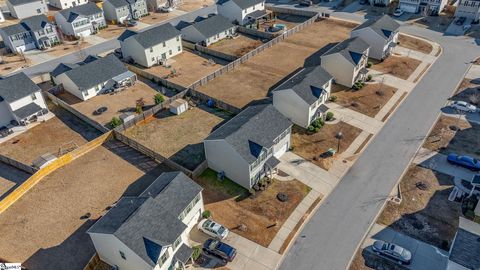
<point x="213" y="229"/>
<point x="398" y="12"/>
<point x="166" y="9"/>
<point x="463" y="106"/>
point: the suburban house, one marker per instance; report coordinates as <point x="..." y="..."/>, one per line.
<point x="151" y="47"/>
<point x="347" y="61"/>
<point x="26" y="8"/>
<point x="465" y="248"/>
<point x="302" y="97"/>
<point x="21" y="100"/>
<point x="80" y="21"/>
<point x="207" y="30"/>
<point x="117" y="11"/>
<point x="63" y="4"/>
<point x="380" y="33"/>
<point x="248" y="146"/>
<point x="243" y="12"/>
<point x="31" y="33"/>
<point x="427" y="7"/>
<point x="380" y="3"/>
<point x="93" y="76"/>
<point x="469" y="9"/>
<point x="150" y="231"/>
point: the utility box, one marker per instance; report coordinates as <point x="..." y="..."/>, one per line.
<point x="178" y="106"/>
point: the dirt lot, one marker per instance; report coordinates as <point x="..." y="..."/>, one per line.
<point x="425" y="212"/>
<point x="239" y="46"/>
<point x="289" y="20"/>
<point x="231" y="206"/>
<point x="189" y="67"/>
<point x="179" y="137"/>
<point x="12" y="62"/>
<point x="444" y="140"/>
<point x="252" y="80"/>
<point x="10" y="178"/>
<point x="398" y="66"/>
<point x="71" y="47"/>
<point x="191" y="5"/>
<point x="116" y="104"/>
<point x="49" y="232"/>
<point x="48" y="137"/>
<point x="311" y="145"/>
<point x="415" y="44"/>
<point x="369" y="100"/>
<point x="469" y="91"/>
<point x="157" y="17"/>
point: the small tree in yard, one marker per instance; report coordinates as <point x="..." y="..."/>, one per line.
<point x="329" y="116"/>
<point x="206" y="214"/>
<point x="369" y="64"/>
<point x="333" y="98"/>
<point x="115" y="122"/>
<point x="158" y="98"/>
<point x="139" y="105"/>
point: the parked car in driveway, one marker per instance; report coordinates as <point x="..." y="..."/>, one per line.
<point x="463" y="106"/>
<point x="219" y="249"/>
<point x="464" y="161"/>
<point x="392" y="251"/>
<point x="213" y="229"/>
<point x="398" y="12"/>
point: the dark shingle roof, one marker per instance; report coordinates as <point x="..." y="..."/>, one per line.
<point x="255" y="127"/>
<point x="35" y="23"/>
<point x="307" y="83"/>
<point x="183" y="253"/>
<point x="466" y="249"/>
<point x="213" y="25"/>
<point x="243" y="4"/>
<point x="152" y="36"/>
<point x="13" y="29"/>
<point x="16" y="87"/>
<point x="117" y="3"/>
<point x="92" y="71"/>
<point x="27" y="110"/>
<point x="88" y="9"/>
<point x="383" y="26"/>
<point x="352" y="49"/>
<point x="21" y="2"/>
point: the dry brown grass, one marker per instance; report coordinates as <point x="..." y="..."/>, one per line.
<point x="311" y="145"/>
<point x="191" y="5"/>
<point x="13" y="62"/>
<point x="369" y="100"/>
<point x="398" y="66"/>
<point x="415" y="44"/>
<point x="238" y="46"/>
<point x="114" y="30"/>
<point x="426" y="214"/>
<point x="71" y="47"/>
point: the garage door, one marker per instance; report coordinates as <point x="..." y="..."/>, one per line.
<point x="26" y="47"/>
<point x="281" y="151"/>
<point x="408" y="7"/>
<point x="85" y="33"/>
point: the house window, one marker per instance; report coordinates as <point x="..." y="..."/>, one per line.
<point x="164" y="44"/>
<point x="178" y="48"/>
<point x="253" y="7"/>
<point x="178" y="38"/>
<point x="33" y="96"/>
<point x="163" y="258"/>
<point x="122" y="255"/>
<point x="39" y="11"/>
<point x="177" y="242"/>
<point x="153" y="58"/>
<point x="151" y="49"/>
<point x="170" y="52"/>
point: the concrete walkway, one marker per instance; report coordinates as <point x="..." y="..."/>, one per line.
<point x="354" y="118"/>
<point x="389" y="105"/>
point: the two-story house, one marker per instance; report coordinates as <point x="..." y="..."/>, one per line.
<point x="380" y="33"/>
<point x="207" y="30"/>
<point x="346" y="61"/>
<point x="81" y="21"/>
<point x="427" y="7"/>
<point x="469" y="9"/>
<point x="63" y="4"/>
<point x="151" y="47"/>
<point x="21" y="100"/>
<point x="26" y="8"/>
<point x="243" y="12"/>
<point x="150" y="231"/>
<point x="248" y="146"/>
<point x="93" y="76"/>
<point x="31" y="33"/>
<point x="117" y="11"/>
<point x="301" y="98"/>
<point x="465" y="248"/>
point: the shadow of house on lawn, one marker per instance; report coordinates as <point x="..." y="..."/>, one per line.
<point x="74" y="123"/>
<point x="11" y="174"/>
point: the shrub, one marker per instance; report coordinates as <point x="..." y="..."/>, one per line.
<point x="115" y="122"/>
<point x="158" y="98"/>
<point x="369" y="77"/>
<point x="369" y="64"/>
<point x="138" y="109"/>
<point x="329" y="116"/>
<point x="197" y="250"/>
<point x="311" y="128"/>
<point x="206" y="214"/>
<point x="333" y="98"/>
<point x="318" y="123"/>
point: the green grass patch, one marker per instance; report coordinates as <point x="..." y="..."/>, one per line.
<point x="208" y="180"/>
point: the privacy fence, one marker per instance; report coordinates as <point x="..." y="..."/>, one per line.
<point x="17" y="164"/>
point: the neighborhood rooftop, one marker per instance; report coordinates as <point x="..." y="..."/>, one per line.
<point x="33" y="23"/>
<point x="243" y="4"/>
<point x="70" y="14"/>
<point x="307" y="83"/>
<point x="152" y="36"/>
<point x="210" y="26"/>
<point x="383" y="26"/>
<point x="352" y="49"/>
<point x="257" y="125"/>
<point x="16" y="87"/>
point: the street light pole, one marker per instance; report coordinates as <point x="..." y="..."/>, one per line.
<point x="339" y="137"/>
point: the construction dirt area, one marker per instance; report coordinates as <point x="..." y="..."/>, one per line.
<point x="50" y="232"/>
<point x="13" y="62"/>
<point x="254" y="79"/>
<point x="398" y="66"/>
<point x="179" y="137"/>
<point x="237" y="46"/>
<point x="67" y="48"/>
<point x="116" y="103"/>
<point x="63" y="132"/>
<point x="185" y="68"/>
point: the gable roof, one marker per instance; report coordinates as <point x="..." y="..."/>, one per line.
<point x="152" y="36"/>
<point x="17" y="86"/>
<point x="466" y="246"/>
<point x="13" y="29"/>
<point x="33" y="23"/>
<point x="256" y="126"/>
<point x="92" y="71"/>
<point x="211" y="26"/>
<point x="243" y="4"/>
<point x="352" y="49"/>
<point x="384" y="26"/>
<point x="21" y="2"/>
<point x="88" y="9"/>
<point x="307" y="83"/>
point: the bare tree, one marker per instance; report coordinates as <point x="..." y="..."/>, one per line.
<point x="474" y="98"/>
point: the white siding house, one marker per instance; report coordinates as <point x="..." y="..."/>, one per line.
<point x="427" y="7"/>
<point x="247" y="148"/>
<point x="151" y="231"/>
<point x="300" y="98"/>
<point x="242" y="11"/>
<point x="81" y="21"/>
<point x="469" y="9"/>
<point x="63" y="4"/>
<point x="380" y="33"/>
<point x="207" y="30"/>
<point x="151" y="47"/>
<point x="21" y="9"/>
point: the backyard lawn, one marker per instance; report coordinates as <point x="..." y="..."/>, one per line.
<point x="398" y="66"/>
<point x="237" y="46"/>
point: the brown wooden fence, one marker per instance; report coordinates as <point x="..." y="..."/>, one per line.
<point x="17" y="164"/>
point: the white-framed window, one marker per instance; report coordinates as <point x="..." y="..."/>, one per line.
<point x="164" y="45"/>
<point x="178" y="48"/>
<point x="33" y="96"/>
<point x="163" y="258"/>
<point x="177" y="242"/>
<point x="122" y="254"/>
<point x="170" y="52"/>
<point x="151" y="49"/>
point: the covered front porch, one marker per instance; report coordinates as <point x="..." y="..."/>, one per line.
<point x="29" y="114"/>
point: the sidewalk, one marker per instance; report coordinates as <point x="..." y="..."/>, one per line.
<point x="356" y="119"/>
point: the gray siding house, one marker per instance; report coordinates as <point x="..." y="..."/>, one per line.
<point x="207" y="30"/>
<point x="31" y="33"/>
<point x="81" y="21"/>
<point x="247" y="147"/>
<point x="117" y="11"/>
<point x="26" y="8"/>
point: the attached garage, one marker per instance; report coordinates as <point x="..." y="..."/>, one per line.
<point x="85" y="33"/>
<point x="26" y="47"/>
<point x="411" y="8"/>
